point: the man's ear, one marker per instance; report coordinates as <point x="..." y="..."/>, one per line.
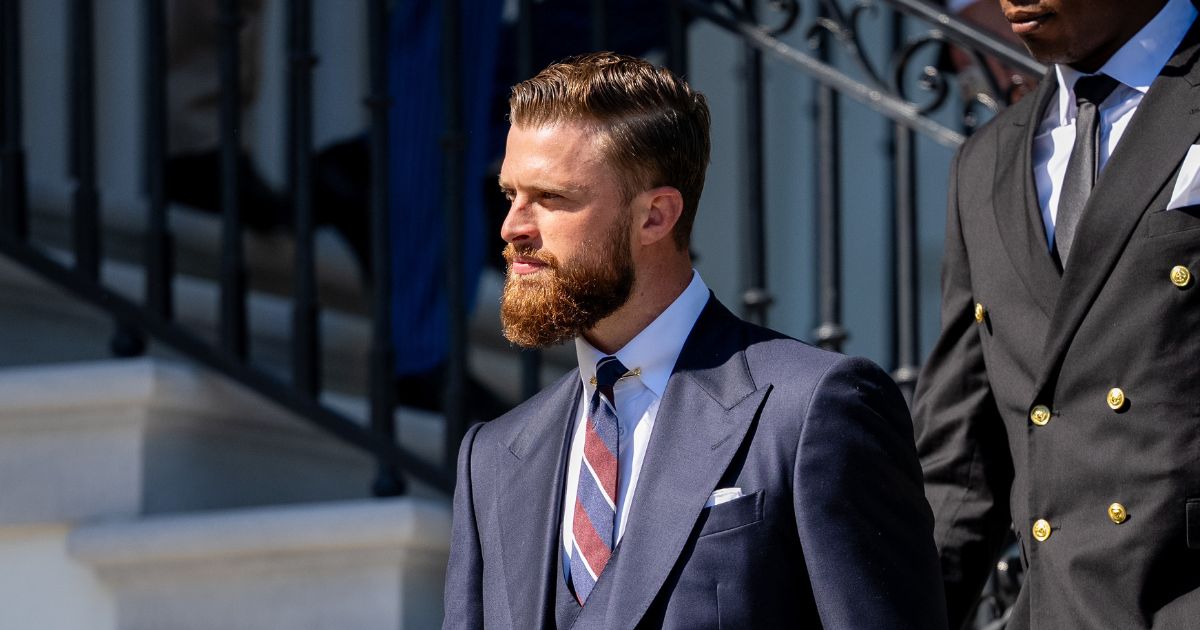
<point x="661" y="209"/>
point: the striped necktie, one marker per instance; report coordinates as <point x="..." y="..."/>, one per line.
<point x="594" y="525"/>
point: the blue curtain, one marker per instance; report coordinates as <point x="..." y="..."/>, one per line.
<point x="416" y="203"/>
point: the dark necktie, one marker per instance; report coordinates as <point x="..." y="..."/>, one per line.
<point x="594" y="524"/>
<point x="1077" y="184"/>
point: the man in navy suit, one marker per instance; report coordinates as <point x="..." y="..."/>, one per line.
<point x="696" y="471"/>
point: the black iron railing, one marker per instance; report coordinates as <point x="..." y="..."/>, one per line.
<point x="916" y="107"/>
<point x="919" y="99"/>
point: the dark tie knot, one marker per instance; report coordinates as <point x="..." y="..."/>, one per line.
<point x="1094" y="89"/>
<point x="608" y="371"/>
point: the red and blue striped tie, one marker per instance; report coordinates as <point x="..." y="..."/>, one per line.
<point x="594" y="525"/>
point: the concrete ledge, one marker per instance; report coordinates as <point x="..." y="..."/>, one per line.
<point x="71" y="443"/>
<point x="126" y="437"/>
<point x="385" y="527"/>
<point x="349" y="565"/>
<point x="43" y="588"/>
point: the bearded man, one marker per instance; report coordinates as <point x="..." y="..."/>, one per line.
<point x="696" y="471"/>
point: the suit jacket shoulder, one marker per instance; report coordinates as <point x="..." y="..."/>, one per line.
<point x="513" y="428"/>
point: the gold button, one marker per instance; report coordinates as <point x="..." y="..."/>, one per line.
<point x="1116" y="398"/>
<point x="980" y="313"/>
<point x="1117" y="513"/>
<point x="1041" y="530"/>
<point x="1040" y="415"/>
<point x="1180" y="276"/>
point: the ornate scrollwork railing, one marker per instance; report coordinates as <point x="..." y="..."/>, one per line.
<point x="903" y="86"/>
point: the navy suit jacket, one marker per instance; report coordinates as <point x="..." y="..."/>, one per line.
<point x="833" y="531"/>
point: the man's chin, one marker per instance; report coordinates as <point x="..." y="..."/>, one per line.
<point x="530" y="336"/>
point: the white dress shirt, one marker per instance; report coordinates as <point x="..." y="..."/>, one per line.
<point x="1135" y="65"/>
<point x="655" y="350"/>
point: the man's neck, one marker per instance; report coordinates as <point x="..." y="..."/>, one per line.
<point x="655" y="289"/>
<point x="1140" y="14"/>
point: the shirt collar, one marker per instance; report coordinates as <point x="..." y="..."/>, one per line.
<point x="1140" y="60"/>
<point x="656" y="349"/>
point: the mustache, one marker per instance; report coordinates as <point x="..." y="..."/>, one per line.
<point x="512" y="252"/>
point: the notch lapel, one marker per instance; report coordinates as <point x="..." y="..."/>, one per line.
<point x="1166" y="123"/>
<point x="707" y="408"/>
<point x="1018" y="213"/>
<point x="529" y="507"/>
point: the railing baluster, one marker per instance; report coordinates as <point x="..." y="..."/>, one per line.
<point x="14" y="203"/>
<point x="306" y="333"/>
<point x="531" y="358"/>
<point x="905" y="313"/>
<point x="453" y="184"/>
<point x="755" y="299"/>
<point x="830" y="333"/>
<point x="233" y="272"/>
<point x="904" y="317"/>
<point x="677" y="42"/>
<point x="159" y="254"/>
<point x="388" y="481"/>
<point x="86" y="223"/>
<point x="599" y="25"/>
<point x="525" y="40"/>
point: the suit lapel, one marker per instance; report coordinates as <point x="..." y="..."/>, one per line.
<point x="528" y="509"/>
<point x="1166" y="123"/>
<point x="707" y="407"/>
<point x="1018" y="213"/>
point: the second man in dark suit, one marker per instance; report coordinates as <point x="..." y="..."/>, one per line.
<point x="1063" y="396"/>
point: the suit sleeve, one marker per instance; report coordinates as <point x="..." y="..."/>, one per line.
<point x="464" y="573"/>
<point x="861" y="514"/>
<point x="960" y="436"/>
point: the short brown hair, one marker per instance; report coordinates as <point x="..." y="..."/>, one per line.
<point x="656" y="126"/>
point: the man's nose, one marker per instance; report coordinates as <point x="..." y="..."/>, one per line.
<point x="519" y="224"/>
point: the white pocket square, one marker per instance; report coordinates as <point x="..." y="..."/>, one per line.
<point x="722" y="495"/>
<point x="1187" y="185"/>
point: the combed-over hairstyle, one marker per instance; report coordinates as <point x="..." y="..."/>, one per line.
<point x="654" y="126"/>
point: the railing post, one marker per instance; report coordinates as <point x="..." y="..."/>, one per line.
<point x="306" y="332"/>
<point x="159" y="243"/>
<point x="453" y="184"/>
<point x="905" y="307"/>
<point x="86" y="223"/>
<point x="904" y="280"/>
<point x="677" y="52"/>
<point x="127" y="340"/>
<point x="830" y="333"/>
<point x="599" y="25"/>
<point x="388" y="480"/>
<point x="14" y="223"/>
<point x="233" y="271"/>
<point x="531" y="358"/>
<point x="756" y="299"/>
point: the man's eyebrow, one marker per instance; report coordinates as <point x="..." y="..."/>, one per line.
<point x="562" y="189"/>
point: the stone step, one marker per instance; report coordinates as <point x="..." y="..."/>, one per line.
<point x="127" y="437"/>
<point x="348" y="565"/>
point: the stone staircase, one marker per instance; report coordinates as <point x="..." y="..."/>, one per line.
<point x="147" y="494"/>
